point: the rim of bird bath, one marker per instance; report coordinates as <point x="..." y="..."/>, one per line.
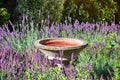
<point x="52" y="46"/>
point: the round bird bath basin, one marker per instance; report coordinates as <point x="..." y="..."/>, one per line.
<point x="67" y="46"/>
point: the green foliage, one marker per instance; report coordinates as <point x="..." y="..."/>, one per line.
<point x="82" y="74"/>
<point x="42" y="9"/>
<point x="117" y="70"/>
<point x="83" y="58"/>
<point x="110" y="43"/>
<point x="117" y="14"/>
<point x="101" y="67"/>
<point x="48" y="75"/>
<point x="93" y="39"/>
<point x="103" y="59"/>
<point x="63" y="34"/>
<point x="90" y="10"/>
<point x="26" y="41"/>
<point x="1" y="2"/>
<point x="28" y="75"/>
<point x="4" y="16"/>
<point x="69" y="9"/>
<point x="60" y="10"/>
<point x="2" y="74"/>
<point x="24" y="38"/>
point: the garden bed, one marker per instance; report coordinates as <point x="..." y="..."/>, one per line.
<point x="20" y="60"/>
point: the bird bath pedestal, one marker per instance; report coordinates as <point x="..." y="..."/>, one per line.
<point x="53" y="46"/>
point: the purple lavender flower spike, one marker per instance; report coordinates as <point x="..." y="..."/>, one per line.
<point x="119" y="43"/>
<point x="69" y="19"/>
<point x="93" y="47"/>
<point x="13" y="27"/>
<point x="101" y="77"/>
<point x="23" y="19"/>
<point x="103" y="45"/>
<point x="61" y="53"/>
<point x="76" y="24"/>
<point x="55" y="61"/>
<point x="72" y="56"/>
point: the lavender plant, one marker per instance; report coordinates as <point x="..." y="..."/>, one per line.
<point x="20" y="60"/>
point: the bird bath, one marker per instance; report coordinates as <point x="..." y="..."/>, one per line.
<point x="52" y="46"/>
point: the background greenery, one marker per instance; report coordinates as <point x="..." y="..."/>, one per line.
<point x="60" y="10"/>
<point x="4" y="16"/>
<point x="100" y="60"/>
<point x="83" y="10"/>
<point x="42" y="9"/>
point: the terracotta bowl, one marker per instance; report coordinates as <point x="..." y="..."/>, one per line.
<point x="52" y="47"/>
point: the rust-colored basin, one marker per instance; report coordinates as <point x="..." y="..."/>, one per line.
<point x="61" y="43"/>
<point x="52" y="47"/>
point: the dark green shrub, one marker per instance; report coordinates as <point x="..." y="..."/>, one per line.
<point x="4" y="16"/>
<point x="1" y="3"/>
<point x="60" y="10"/>
<point x="70" y="9"/>
<point x="42" y="9"/>
<point x="117" y="14"/>
<point x="90" y="10"/>
<point x="11" y="7"/>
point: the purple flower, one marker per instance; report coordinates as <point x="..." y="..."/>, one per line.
<point x="76" y="24"/>
<point x="101" y="77"/>
<point x="61" y="53"/>
<point x="72" y="56"/>
<point x="119" y="43"/>
<point x="69" y="19"/>
<point x="103" y="45"/>
<point x="93" y="47"/>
